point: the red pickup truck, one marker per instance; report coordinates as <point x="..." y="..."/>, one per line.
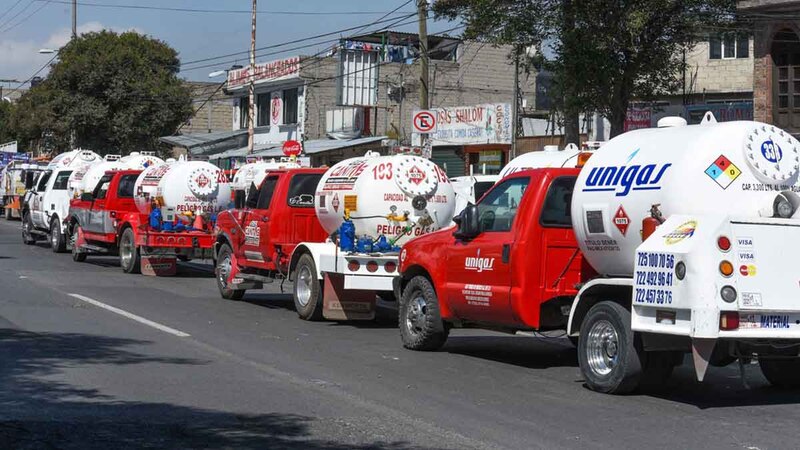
<point x="255" y="240"/>
<point x="106" y="221"/>
<point x="512" y="264"/>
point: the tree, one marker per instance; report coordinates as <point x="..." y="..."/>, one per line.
<point x="606" y="52"/>
<point x="6" y="132"/>
<point x="109" y="92"/>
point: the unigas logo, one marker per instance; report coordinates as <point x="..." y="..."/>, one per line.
<point x="626" y="178"/>
<point x="478" y="264"/>
<point x="771" y="151"/>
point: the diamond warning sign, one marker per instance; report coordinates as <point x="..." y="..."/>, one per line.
<point x="621" y="220"/>
<point x="415" y="175"/>
<point x="723" y="172"/>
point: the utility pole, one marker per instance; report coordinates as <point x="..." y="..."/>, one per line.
<point x="422" y="10"/>
<point x="251" y="113"/>
<point x="74" y="19"/>
<point x="515" y="108"/>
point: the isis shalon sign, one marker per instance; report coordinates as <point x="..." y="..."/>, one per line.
<point x="280" y="69"/>
<point x="489" y="123"/>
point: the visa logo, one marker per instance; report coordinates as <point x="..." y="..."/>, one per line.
<point x="624" y="179"/>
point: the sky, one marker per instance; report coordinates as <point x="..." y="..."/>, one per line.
<point x="29" y="25"/>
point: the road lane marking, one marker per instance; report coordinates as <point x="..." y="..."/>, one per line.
<point x="131" y="316"/>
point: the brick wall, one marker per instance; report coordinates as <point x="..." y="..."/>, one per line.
<point x="220" y="107"/>
<point x="718" y="75"/>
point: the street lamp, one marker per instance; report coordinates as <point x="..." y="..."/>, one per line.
<point x="217" y="73"/>
<point x="47" y="51"/>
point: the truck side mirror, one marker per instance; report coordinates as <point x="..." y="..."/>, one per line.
<point x="87" y="197"/>
<point x="467" y="223"/>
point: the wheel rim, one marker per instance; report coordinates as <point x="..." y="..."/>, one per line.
<point x="224" y="271"/>
<point x="416" y="313"/>
<point x="54" y="235"/>
<point x="73" y="240"/>
<point x="26" y="227"/>
<point x="126" y="251"/>
<point x="303" y="286"/>
<point x="602" y="348"/>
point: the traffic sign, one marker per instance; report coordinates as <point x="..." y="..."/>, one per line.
<point x="424" y="121"/>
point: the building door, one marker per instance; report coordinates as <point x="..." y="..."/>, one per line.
<point x="786" y="80"/>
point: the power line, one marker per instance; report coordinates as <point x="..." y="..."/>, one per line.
<point x="217" y="11"/>
<point x="17" y="14"/>
<point x="10" y="9"/>
<point x="24" y="19"/>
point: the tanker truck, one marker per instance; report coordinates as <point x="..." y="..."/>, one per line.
<point x="668" y="241"/>
<point x="251" y="175"/>
<point x="150" y="217"/>
<point x="47" y="205"/>
<point x="16" y="178"/>
<point x="336" y="233"/>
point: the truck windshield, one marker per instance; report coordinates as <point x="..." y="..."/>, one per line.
<point x="61" y="180"/>
<point x="265" y="194"/>
<point x="101" y="189"/>
<point x="556" y="211"/>
<point x="497" y="210"/>
<point x="126" y="184"/>
<point x="43" y="181"/>
<point x="301" y="190"/>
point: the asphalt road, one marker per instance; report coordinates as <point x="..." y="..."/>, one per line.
<point x="81" y="367"/>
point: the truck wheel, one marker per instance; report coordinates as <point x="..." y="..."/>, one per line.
<point x="606" y="352"/>
<point x="27" y="227"/>
<point x="783" y="373"/>
<point x="57" y="241"/>
<point x="421" y="325"/>
<point x="224" y="266"/>
<point x="77" y="255"/>
<point x="128" y="252"/>
<point x="307" y="289"/>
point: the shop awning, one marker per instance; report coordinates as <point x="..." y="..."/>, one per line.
<point x="205" y="143"/>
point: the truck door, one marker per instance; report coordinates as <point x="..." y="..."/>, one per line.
<point x="55" y="202"/>
<point x="97" y="212"/>
<point x="255" y="223"/>
<point x="479" y="270"/>
<point x="559" y="248"/>
<point x="37" y="199"/>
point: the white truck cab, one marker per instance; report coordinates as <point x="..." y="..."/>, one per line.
<point x="47" y="205"/>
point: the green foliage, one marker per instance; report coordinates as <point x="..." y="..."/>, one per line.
<point x="115" y="92"/>
<point x="6" y="132"/>
<point x="606" y="52"/>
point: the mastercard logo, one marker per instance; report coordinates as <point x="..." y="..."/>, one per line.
<point x="747" y="270"/>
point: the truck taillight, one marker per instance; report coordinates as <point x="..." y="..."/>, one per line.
<point x="390" y="267"/>
<point x="726" y="268"/>
<point x="372" y="266"/>
<point x="729" y="320"/>
<point x="724" y="243"/>
<point x="353" y="266"/>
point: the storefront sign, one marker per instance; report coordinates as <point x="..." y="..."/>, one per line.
<point x="638" y="118"/>
<point x="281" y="69"/>
<point x="399" y="150"/>
<point x="723" y="112"/>
<point x="489" y="123"/>
<point x="490" y="160"/>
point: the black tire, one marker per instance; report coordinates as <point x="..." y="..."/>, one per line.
<point x="307" y="293"/>
<point x="129" y="258"/>
<point x="27" y="226"/>
<point x="421" y="324"/>
<point x="77" y="255"/>
<point x="221" y="270"/>
<point x="607" y="352"/>
<point x="58" y="243"/>
<point x="782" y="373"/>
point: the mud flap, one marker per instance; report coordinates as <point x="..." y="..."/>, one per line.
<point x="341" y="304"/>
<point x="80" y="240"/>
<point x="702" y="348"/>
<point x="159" y="266"/>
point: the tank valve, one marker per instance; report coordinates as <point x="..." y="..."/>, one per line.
<point x="419" y="202"/>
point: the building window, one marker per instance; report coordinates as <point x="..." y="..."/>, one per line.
<point x="729" y="46"/>
<point x="290" y="106"/>
<point x="244" y="108"/>
<point x="262" y="109"/>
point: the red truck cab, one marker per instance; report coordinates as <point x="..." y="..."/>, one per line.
<point x="94" y="218"/>
<point x="255" y="240"/>
<point x="512" y="263"/>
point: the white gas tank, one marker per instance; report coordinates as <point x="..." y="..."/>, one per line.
<point x="140" y="160"/>
<point x="551" y="156"/>
<point x="183" y="186"/>
<point x="731" y="168"/>
<point x="397" y="196"/>
<point x="254" y="173"/>
<point x="75" y="158"/>
<point x="85" y="178"/>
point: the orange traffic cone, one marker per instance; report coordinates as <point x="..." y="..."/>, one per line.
<point x="198" y="222"/>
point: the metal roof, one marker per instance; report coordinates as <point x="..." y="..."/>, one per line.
<point x="190" y="141"/>
<point x="312" y="147"/>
